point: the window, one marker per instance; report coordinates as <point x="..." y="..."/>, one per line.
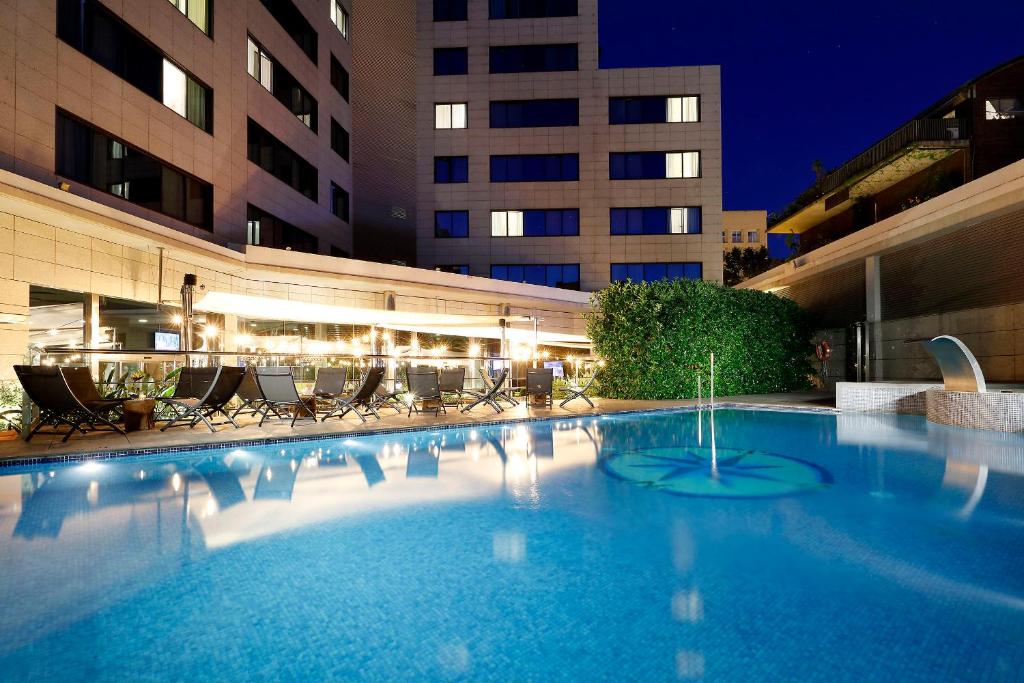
<point x="451" y="224"/>
<point x="339" y="17"/>
<point x="339" y="140"/>
<point x="451" y="170"/>
<point x="531" y="9"/>
<point x="280" y="161"/>
<point x="450" y="115"/>
<point x="653" y="165"/>
<point x="563" y="276"/>
<point x="536" y="223"/>
<point x="339" y="78"/>
<point x="653" y="109"/>
<point x="449" y="10"/>
<point x="737" y="237"/>
<point x="458" y="270"/>
<point x="339" y="202"/>
<point x="451" y="61"/>
<point x="656" y="221"/>
<point x="279" y="82"/>
<point x="265" y="230"/>
<point x="519" y="168"/>
<point x="1001" y="108"/>
<point x="510" y="59"/>
<point x="197" y="11"/>
<point x="535" y="113"/>
<point x="652" y="272"/>
<point x="105" y="38"/>
<point x="294" y="24"/>
<point x="724" y="240"/>
<point x="752" y="236"/>
<point x="92" y="157"/>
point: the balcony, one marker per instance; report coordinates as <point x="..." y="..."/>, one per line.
<point x="905" y="152"/>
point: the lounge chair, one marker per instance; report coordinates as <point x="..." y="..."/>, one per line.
<point x="278" y="388"/>
<point x="249" y="395"/>
<point x="453" y="381"/>
<point x="540" y="383"/>
<point x="79" y="379"/>
<point x="503" y="395"/>
<point x="329" y="386"/>
<point x="364" y="397"/>
<point x="575" y="391"/>
<point x="200" y="409"/>
<point x="424" y="388"/>
<point x="492" y="395"/>
<point x="58" y="405"/>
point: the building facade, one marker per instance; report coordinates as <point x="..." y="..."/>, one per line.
<point x="535" y="165"/>
<point x="228" y="121"/>
<point x="744" y="230"/>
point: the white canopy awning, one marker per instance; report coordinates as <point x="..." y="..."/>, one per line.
<point x="520" y="328"/>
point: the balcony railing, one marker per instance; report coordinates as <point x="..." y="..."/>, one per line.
<point x="918" y="130"/>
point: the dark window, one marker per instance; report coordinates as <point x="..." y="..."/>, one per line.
<point x="509" y="59"/>
<point x="451" y="224"/>
<point x="518" y="168"/>
<point x="551" y="223"/>
<point x="653" y="109"/>
<point x="563" y="276"/>
<point x="449" y="10"/>
<point x="458" y="270"/>
<point x="339" y="77"/>
<point x="652" y="272"/>
<point x="281" y="84"/>
<point x="280" y="161"/>
<point x="294" y="24"/>
<point x="90" y="156"/>
<point x="339" y="139"/>
<point x="265" y="230"/>
<point x="339" y="202"/>
<point x="535" y="113"/>
<point x="101" y="35"/>
<point x="530" y="9"/>
<point x="684" y="220"/>
<point x="451" y="61"/>
<point x="636" y="165"/>
<point x="451" y="170"/>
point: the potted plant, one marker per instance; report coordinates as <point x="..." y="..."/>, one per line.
<point x="10" y="410"/>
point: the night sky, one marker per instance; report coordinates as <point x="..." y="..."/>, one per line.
<point x="804" y="81"/>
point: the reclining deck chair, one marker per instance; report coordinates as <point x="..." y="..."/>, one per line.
<point x="492" y="395"/>
<point x="278" y="388"/>
<point x="200" y="409"/>
<point x="364" y="397"/>
<point x="58" y="405"/>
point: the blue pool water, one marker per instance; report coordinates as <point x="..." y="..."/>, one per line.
<point x="750" y="545"/>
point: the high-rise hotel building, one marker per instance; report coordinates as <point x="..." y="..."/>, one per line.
<point x="536" y="165"/>
<point x="225" y="120"/>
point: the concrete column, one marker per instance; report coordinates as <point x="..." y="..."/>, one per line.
<point x="873" y="309"/>
<point x="91" y="336"/>
<point x="14" y="336"/>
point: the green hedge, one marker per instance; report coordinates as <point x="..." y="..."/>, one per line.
<point x="651" y="334"/>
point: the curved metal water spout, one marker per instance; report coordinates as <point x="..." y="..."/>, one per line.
<point x="960" y="369"/>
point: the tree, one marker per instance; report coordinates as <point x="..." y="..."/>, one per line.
<point x="743" y="264"/>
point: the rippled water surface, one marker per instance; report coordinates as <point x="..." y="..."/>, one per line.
<point x="747" y="545"/>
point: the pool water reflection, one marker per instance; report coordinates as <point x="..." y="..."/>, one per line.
<point x="556" y="550"/>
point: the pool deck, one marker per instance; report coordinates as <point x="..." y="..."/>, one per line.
<point x="46" y="448"/>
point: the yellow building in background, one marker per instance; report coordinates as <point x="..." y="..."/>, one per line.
<point x="744" y="229"/>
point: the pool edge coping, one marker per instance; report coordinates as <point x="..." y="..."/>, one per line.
<point x="112" y="454"/>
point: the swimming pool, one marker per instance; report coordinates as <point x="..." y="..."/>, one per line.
<point x="743" y="545"/>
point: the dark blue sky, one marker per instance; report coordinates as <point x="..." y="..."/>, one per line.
<point x="812" y="80"/>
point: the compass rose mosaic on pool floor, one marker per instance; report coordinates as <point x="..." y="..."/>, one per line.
<point x="726" y="473"/>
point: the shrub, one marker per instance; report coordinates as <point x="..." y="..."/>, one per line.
<point x="656" y="339"/>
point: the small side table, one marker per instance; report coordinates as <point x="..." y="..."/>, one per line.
<point x="138" y="414"/>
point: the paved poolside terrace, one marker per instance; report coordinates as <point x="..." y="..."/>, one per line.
<point x="44" y="447"/>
